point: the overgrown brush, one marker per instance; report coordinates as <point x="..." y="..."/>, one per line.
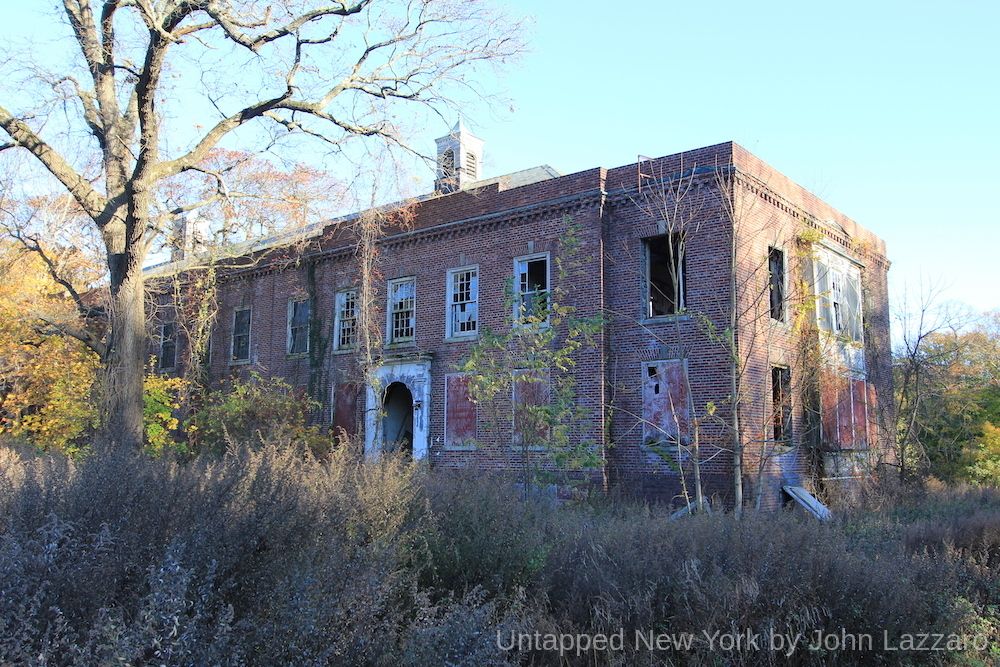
<point x="271" y="556"/>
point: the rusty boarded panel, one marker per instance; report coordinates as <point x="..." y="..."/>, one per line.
<point x="873" y="434"/>
<point x="666" y="411"/>
<point x="530" y="426"/>
<point x="460" y="412"/>
<point x="345" y="408"/>
<point x="859" y="405"/>
<point x="845" y="425"/>
<point x="828" y="407"/>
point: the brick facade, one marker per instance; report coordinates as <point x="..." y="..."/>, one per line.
<point x="647" y="382"/>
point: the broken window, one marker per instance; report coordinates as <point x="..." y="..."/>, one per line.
<point x="448" y="164"/>
<point x="776" y="282"/>
<point x="664" y="257"/>
<point x="463" y="302"/>
<point x="531" y="284"/>
<point x="168" y="346"/>
<point x="838" y="292"/>
<point x="241" y="335"/>
<point x="781" y="405"/>
<point x="665" y="405"/>
<point x="852" y="307"/>
<point x="298" y="326"/>
<point x="346" y="319"/>
<point x="402" y="310"/>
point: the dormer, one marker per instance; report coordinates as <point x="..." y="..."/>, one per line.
<point x="459" y="159"/>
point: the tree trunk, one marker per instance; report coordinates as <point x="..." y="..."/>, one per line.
<point x="125" y="360"/>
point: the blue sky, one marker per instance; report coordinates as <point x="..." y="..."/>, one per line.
<point x="888" y="110"/>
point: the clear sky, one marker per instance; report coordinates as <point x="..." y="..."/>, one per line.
<point x="888" y="110"/>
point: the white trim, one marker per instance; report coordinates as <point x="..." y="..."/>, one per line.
<point x="416" y="375"/>
<point x="338" y="297"/>
<point x="288" y="324"/>
<point x="232" y="336"/>
<point x="517" y="286"/>
<point x="448" y="294"/>
<point x="389" y="340"/>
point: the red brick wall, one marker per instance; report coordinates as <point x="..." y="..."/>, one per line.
<point x="491" y="226"/>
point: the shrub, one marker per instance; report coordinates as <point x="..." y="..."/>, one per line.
<point x="268" y="556"/>
<point x="260" y="411"/>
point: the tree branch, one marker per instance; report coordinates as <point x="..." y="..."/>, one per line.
<point x="81" y="189"/>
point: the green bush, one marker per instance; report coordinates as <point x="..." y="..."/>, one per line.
<point x="259" y="411"/>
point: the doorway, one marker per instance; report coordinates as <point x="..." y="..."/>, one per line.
<point x="397" y="422"/>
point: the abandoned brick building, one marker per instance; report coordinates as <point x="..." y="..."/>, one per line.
<point x="678" y="253"/>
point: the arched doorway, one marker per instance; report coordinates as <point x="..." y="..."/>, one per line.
<point x="397" y="422"/>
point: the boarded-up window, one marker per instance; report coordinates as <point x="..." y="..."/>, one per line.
<point x="873" y="433"/>
<point x="345" y="408"/>
<point x="845" y="412"/>
<point x="531" y="401"/>
<point x="859" y="408"/>
<point x="460" y="412"/>
<point x="665" y="403"/>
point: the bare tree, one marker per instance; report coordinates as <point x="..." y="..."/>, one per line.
<point x="325" y="71"/>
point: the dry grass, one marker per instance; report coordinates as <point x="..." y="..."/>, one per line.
<point x="272" y="557"/>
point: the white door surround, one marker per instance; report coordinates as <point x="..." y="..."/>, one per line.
<point x="415" y="373"/>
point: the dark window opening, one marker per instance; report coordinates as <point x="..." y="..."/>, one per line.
<point x="448" y="164"/>
<point x="664" y="275"/>
<point x="533" y="287"/>
<point x="776" y="275"/>
<point x="781" y="405"/>
<point x="168" y="346"/>
<point x="298" y="327"/>
<point x="241" y="335"/>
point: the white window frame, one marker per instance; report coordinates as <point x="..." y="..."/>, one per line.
<point x="338" y="320"/>
<point x="232" y="337"/>
<point x="449" y="330"/>
<point x="288" y="320"/>
<point x="390" y="339"/>
<point x="517" y="283"/>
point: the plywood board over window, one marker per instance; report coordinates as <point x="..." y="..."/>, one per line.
<point x="345" y="408"/>
<point x="530" y="397"/>
<point x="460" y="412"/>
<point x="666" y="404"/>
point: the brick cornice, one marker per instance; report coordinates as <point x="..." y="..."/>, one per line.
<point x="413" y="237"/>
